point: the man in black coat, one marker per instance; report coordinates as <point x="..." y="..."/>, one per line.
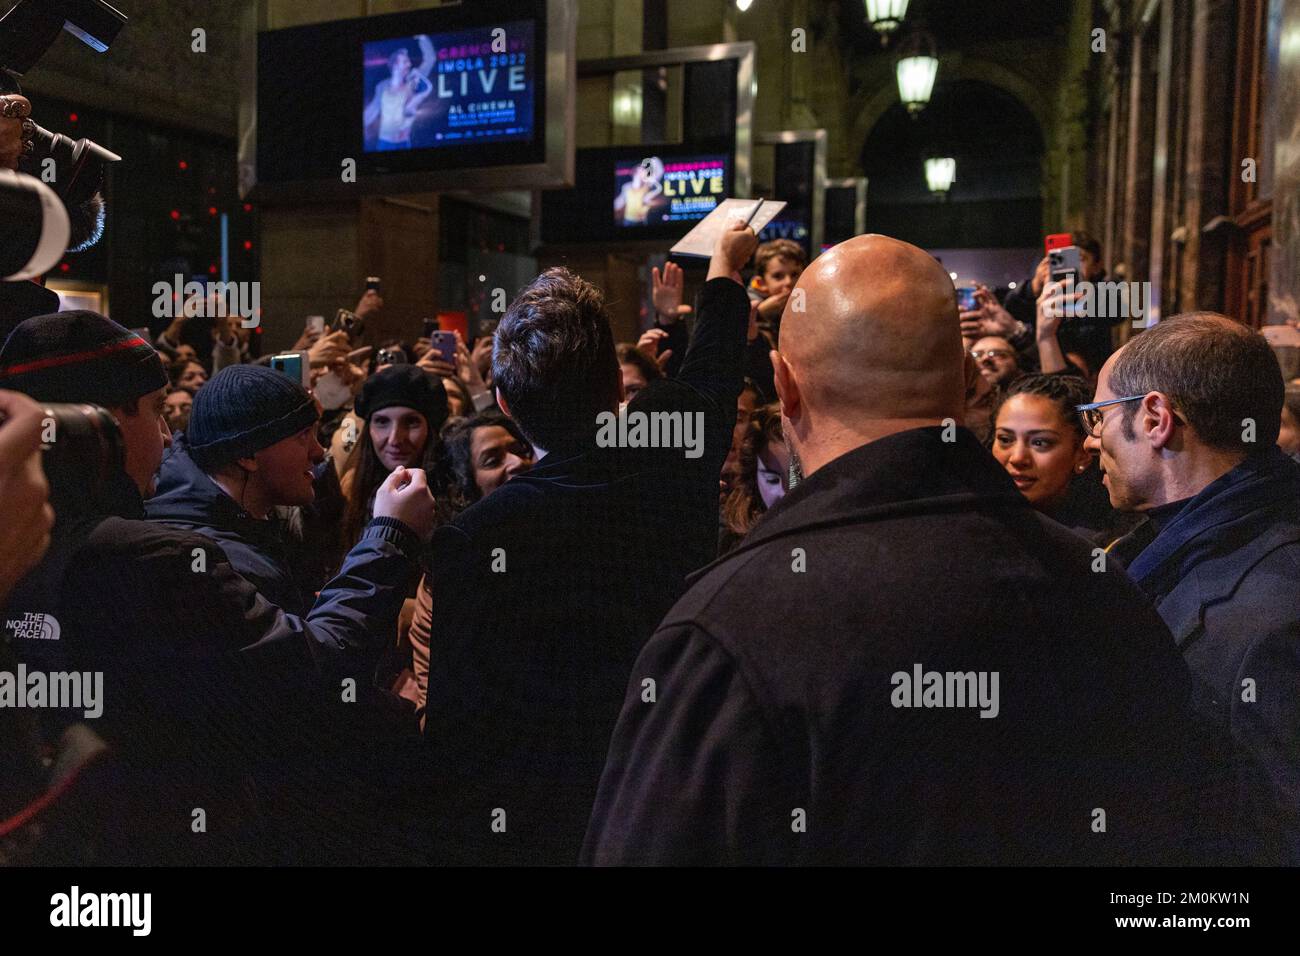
<point x="199" y="668"/>
<point x="545" y="591"/>
<point x="1189" y="439"/>
<point x="903" y="663"/>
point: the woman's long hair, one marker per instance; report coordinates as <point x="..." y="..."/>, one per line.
<point x="370" y="473"/>
<point x="744" y="506"/>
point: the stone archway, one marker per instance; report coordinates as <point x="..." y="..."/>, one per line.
<point x="880" y="95"/>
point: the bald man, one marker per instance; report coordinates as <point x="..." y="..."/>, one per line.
<point x="903" y="662"/>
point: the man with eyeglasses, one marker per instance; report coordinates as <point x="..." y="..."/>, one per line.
<point x="1185" y="425"/>
<point x="996" y="360"/>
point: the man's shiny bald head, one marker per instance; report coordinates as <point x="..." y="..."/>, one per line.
<point x="877" y="337"/>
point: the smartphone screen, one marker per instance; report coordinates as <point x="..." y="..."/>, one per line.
<point x="966" y="301"/>
<point x="316" y="323"/>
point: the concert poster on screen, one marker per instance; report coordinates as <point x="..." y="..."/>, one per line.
<point x="651" y="190"/>
<point x="449" y="89"/>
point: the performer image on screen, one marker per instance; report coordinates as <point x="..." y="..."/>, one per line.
<point x="397" y="98"/>
<point x="636" y="200"/>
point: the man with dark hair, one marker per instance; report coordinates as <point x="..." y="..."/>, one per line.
<point x="800" y="712"/>
<point x="544" y="591"/>
<point x="1186" y="424"/>
<point x="996" y="359"/>
<point x="200" y="670"/>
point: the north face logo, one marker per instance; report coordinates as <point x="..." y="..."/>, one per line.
<point x="33" y="626"/>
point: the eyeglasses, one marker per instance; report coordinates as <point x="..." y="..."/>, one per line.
<point x="1091" y="415"/>
<point x="991" y="353"/>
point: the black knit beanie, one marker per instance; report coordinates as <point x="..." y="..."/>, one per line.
<point x="243" y="409"/>
<point x="407" y="386"/>
<point x="79" y="357"/>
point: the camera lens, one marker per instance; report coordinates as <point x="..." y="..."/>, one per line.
<point x="87" y="448"/>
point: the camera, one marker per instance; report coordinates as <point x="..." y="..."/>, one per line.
<point x="35" y="230"/>
<point x="392" y="357"/>
<point x="87" y="449"/>
<point x="27" y="31"/>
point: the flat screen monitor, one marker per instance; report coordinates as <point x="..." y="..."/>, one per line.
<point x="455" y="97"/>
<point x="652" y="190"/>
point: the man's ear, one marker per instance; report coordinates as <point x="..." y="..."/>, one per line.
<point x="505" y="406"/>
<point x="248" y="464"/>
<point x="1157" y="420"/>
<point x="787" y="389"/>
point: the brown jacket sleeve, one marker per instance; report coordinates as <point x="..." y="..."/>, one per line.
<point x="421" y="625"/>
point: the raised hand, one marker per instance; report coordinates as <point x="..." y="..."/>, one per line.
<point x="648" y="345"/>
<point x="667" y="293"/>
<point x="734" y="249"/>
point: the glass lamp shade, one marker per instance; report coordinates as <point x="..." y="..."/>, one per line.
<point x="916" y="80"/>
<point x="940" y="173"/>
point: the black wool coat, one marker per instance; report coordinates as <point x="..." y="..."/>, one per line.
<point x="764" y="721"/>
<point x="544" y="593"/>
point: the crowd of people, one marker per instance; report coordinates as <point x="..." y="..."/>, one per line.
<point x="418" y="612"/>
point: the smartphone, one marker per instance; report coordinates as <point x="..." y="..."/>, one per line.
<point x="316" y="323"/>
<point x="392" y="357"/>
<point x="966" y="301"/>
<point x="296" y="365"/>
<point x="430" y="326"/>
<point x="444" y="343"/>
<point x="348" y="322"/>
<point x="1063" y="262"/>
<point x="374" y="283"/>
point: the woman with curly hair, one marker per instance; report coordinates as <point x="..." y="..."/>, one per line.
<point x="762" y="477"/>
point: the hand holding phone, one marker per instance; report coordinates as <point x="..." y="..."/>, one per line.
<point x="444" y="344"/>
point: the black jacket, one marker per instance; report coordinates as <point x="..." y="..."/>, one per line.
<point x="1225" y="576"/>
<point x="761" y="722"/>
<point x="203" y="676"/>
<point x="260" y="550"/>
<point x="340" y="759"/>
<point x="544" y="593"/>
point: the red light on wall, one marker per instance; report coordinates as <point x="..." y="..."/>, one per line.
<point x="248" y="244"/>
<point x="175" y="214"/>
<point x="72" y="117"/>
<point x="248" y="207"/>
<point x="64" y="267"/>
<point x="212" y="269"/>
<point x="212" y="210"/>
<point x="183" y="165"/>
